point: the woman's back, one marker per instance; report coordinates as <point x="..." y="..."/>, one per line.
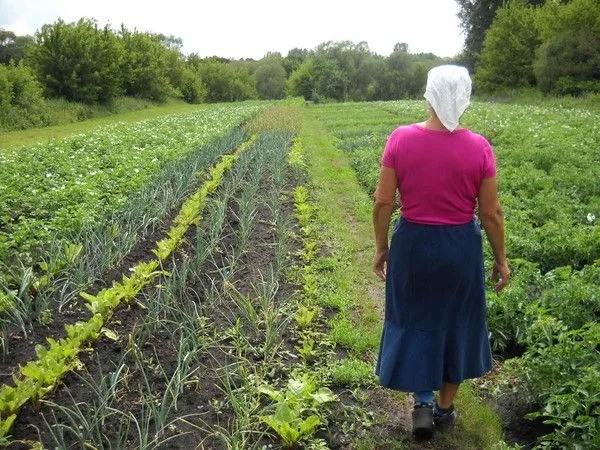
<point x="439" y="172"/>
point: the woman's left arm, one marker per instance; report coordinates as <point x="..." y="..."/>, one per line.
<point x="382" y="211"/>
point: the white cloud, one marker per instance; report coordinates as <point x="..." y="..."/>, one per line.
<point x="238" y="28"/>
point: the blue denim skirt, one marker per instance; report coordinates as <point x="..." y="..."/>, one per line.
<point x="435" y="314"/>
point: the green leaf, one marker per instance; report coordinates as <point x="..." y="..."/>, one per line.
<point x="272" y="393"/>
<point x="284" y="430"/>
<point x="6" y="424"/>
<point x="284" y="413"/>
<point x="309" y="425"/>
<point x="324" y="395"/>
<point x="89" y="297"/>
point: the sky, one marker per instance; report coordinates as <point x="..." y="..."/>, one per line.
<point x="251" y="28"/>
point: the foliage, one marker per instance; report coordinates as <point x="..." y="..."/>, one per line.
<point x="304" y="316"/>
<point x="559" y="42"/>
<point x="550" y="307"/>
<point x="83" y="63"/>
<point x="270" y="78"/>
<point x="40" y="376"/>
<point x="300" y="82"/>
<point x="352" y="372"/>
<point x="508" y="50"/>
<point x="298" y="408"/>
<point x="78" y="61"/>
<point x="13" y="47"/>
<point x="85" y="178"/>
<point x="225" y="81"/>
<point x="275" y="119"/>
<point x="569" y="63"/>
<point x="557" y="17"/>
<point x="21" y="101"/>
<point x="192" y="89"/>
<point x="476" y="17"/>
<point x="294" y="59"/>
<point x="348" y="71"/>
<point x="145" y="66"/>
<point x="573" y="404"/>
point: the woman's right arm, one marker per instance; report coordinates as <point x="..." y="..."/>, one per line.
<point x="382" y="211"/>
<point x="492" y="219"/>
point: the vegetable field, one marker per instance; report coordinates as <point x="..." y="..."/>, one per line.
<point x="202" y="280"/>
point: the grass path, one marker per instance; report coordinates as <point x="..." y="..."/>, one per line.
<point x="36" y="135"/>
<point x="344" y="209"/>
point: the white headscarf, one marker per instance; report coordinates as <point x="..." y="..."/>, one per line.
<point x="448" y="92"/>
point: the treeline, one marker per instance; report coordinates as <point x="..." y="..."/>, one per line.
<point x="85" y="64"/>
<point x="553" y="46"/>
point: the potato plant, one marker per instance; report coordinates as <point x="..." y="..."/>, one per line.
<point x="548" y="171"/>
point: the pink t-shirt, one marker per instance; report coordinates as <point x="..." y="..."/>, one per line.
<point x="439" y="172"/>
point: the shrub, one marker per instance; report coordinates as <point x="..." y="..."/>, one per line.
<point x="78" y="61"/>
<point x="145" y="66"/>
<point x="21" y="102"/>
<point x="569" y="63"/>
<point x="508" y="50"/>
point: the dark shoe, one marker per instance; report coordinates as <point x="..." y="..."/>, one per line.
<point x="422" y="417"/>
<point x="446" y="419"/>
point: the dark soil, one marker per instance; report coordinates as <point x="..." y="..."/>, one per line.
<point x="381" y="416"/>
<point x="518" y="429"/>
<point x="201" y="403"/>
<point x="22" y="345"/>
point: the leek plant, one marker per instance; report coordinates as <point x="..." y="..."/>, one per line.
<point x="105" y="243"/>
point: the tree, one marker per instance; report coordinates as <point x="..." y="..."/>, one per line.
<point x="21" y="102"/>
<point x="476" y="16"/>
<point x="13" y="47"/>
<point x="568" y="61"/>
<point x="226" y="82"/>
<point x="557" y="17"/>
<point x="147" y="66"/>
<point x="406" y="73"/>
<point x="509" y="50"/>
<point x="294" y="59"/>
<point x="301" y="82"/>
<point x="270" y="78"/>
<point x="78" y="61"/>
<point x="192" y="89"/>
<point x="330" y="81"/>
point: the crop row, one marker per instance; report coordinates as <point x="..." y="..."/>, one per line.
<point x="548" y="171"/>
<point x="51" y="190"/>
<point x="43" y="296"/>
<point x="41" y="376"/>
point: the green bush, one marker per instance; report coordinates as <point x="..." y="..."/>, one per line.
<point x="145" y="66"/>
<point x="270" y="79"/>
<point x="569" y="63"/>
<point x="78" y="61"/>
<point x="561" y="373"/>
<point x="226" y="82"/>
<point x="21" y="102"/>
<point x="508" y="50"/>
<point x="193" y="90"/>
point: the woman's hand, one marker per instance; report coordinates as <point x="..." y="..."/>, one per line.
<point x="379" y="263"/>
<point x="500" y="275"/>
<point x="382" y="211"/>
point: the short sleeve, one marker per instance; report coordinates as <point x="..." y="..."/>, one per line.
<point x="489" y="161"/>
<point x="389" y="153"/>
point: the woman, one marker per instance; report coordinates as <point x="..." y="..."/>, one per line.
<point x="435" y="334"/>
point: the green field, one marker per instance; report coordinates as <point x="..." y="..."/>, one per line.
<point x="203" y="279"/>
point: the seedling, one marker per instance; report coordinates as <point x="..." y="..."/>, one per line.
<point x="305" y="316"/>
